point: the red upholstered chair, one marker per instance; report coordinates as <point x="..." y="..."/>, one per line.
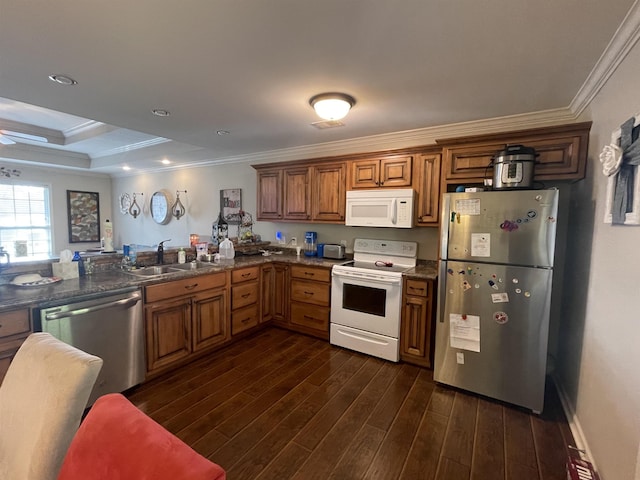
<point x="116" y="441"/>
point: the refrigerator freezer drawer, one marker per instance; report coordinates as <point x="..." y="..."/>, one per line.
<point x="370" y="343"/>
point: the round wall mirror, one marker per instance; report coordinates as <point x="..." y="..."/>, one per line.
<point x="160" y="206"/>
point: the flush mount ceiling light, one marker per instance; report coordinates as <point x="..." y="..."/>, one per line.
<point x="62" y="79"/>
<point x="158" y="112"/>
<point x="332" y="106"/>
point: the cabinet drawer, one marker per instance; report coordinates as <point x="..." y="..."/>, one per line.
<point x="14" y="322"/>
<point x="245" y="274"/>
<point x="310" y="292"/>
<point x="417" y="287"/>
<point x="309" y="316"/>
<point x="244" y="319"/>
<point x="243" y="295"/>
<point x="311" y="273"/>
<point x="185" y="286"/>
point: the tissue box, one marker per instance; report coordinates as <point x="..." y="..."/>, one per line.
<point x="65" y="270"/>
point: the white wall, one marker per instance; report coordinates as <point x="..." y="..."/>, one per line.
<point x="202" y="201"/>
<point x="60" y="181"/>
<point x="601" y="332"/>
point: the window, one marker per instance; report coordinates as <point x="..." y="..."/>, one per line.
<point x="25" y="221"/>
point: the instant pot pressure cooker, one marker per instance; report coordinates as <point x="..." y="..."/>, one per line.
<point x="513" y="167"/>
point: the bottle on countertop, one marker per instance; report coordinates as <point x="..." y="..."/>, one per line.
<point x="78" y="258"/>
<point x="226" y="250"/>
<point x="182" y="256"/>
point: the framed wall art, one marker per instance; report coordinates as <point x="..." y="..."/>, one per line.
<point x="231" y="204"/>
<point x="83" y="211"/>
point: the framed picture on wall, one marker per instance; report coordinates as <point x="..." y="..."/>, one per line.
<point x="231" y="204"/>
<point x="83" y="211"/>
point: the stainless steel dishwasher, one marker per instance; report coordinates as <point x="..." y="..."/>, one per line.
<point x="109" y="326"/>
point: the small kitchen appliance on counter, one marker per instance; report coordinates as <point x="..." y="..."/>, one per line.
<point x="513" y="167"/>
<point x="334" y="251"/>
<point x="310" y="244"/>
<point x="366" y="297"/>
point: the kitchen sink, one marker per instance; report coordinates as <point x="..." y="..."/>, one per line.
<point x="191" y="266"/>
<point x="151" y="271"/>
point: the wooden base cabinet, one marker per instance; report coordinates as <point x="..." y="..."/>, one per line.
<point x="184" y="318"/>
<point x="310" y="293"/>
<point x="15" y="327"/>
<point x="245" y="296"/>
<point x="418" y="321"/>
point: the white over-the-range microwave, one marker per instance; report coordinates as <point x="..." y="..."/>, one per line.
<point x="380" y="208"/>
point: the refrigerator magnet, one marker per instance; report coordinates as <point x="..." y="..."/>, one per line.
<point x="501" y="317"/>
<point x="480" y="244"/>
<point x="502" y="297"/>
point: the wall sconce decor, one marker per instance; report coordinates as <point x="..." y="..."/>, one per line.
<point x="134" y="208"/>
<point x="9" y="172"/>
<point x="621" y="163"/>
<point x="332" y="106"/>
<point x="178" y="210"/>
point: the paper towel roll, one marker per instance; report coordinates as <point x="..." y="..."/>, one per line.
<point x="107" y="228"/>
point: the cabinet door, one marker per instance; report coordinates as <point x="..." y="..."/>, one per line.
<point x="414" y="334"/>
<point x="269" y="194"/>
<point x="428" y="189"/>
<point x="365" y="173"/>
<point x="267" y="301"/>
<point x="168" y="332"/>
<point x="280" y="292"/>
<point x="297" y="205"/>
<point x="328" y="192"/>
<point x="417" y="323"/>
<point x="396" y="171"/>
<point x="210" y="319"/>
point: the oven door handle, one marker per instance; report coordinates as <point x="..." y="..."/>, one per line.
<point x="369" y="278"/>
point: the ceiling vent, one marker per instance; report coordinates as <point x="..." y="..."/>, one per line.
<point x="321" y="125"/>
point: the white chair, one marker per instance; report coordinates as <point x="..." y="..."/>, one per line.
<point x="42" y="399"/>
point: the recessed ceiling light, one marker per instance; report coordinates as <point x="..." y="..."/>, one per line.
<point x="223" y="132"/>
<point x="126" y="168"/>
<point x="160" y="112"/>
<point x="165" y="161"/>
<point x="62" y="79"/>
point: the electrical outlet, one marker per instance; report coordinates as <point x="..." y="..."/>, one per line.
<point x="343" y="243"/>
<point x="294" y="242"/>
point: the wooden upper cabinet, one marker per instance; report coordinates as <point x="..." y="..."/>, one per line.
<point x="328" y="192"/>
<point x="428" y="189"/>
<point x="384" y="172"/>
<point x="297" y="197"/>
<point x="562" y="154"/>
<point x="269" y="194"/>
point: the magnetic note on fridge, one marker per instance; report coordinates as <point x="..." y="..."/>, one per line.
<point x="464" y="331"/>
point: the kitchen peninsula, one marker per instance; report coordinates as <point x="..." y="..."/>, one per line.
<point x="20" y="305"/>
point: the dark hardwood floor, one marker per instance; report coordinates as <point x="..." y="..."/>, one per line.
<point x="280" y="405"/>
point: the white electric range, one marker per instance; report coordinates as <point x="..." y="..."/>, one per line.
<point x="366" y="297"/>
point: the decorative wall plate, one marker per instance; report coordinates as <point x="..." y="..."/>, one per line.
<point x="125" y="203"/>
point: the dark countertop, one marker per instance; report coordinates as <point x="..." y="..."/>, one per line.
<point x="425" y="270"/>
<point x="12" y="296"/>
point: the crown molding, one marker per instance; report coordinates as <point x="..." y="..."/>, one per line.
<point x="622" y="42"/>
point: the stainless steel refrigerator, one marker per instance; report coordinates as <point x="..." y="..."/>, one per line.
<point x="494" y="295"/>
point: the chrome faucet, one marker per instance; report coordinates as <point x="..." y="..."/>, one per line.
<point x="161" y="252"/>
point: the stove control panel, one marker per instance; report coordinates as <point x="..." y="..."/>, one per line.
<point x="394" y="248"/>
